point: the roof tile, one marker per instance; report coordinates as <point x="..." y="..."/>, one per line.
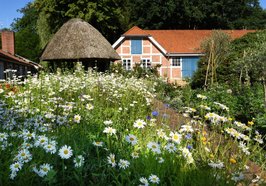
<point x="181" y="41"/>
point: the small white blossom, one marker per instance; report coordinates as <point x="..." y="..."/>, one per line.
<point x="65" y="152"/>
<point x="154" y="179"/>
<point x="123" y="164"/>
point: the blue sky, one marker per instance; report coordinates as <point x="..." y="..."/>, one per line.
<point x="8" y="10"/>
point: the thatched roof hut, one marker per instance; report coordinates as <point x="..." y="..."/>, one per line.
<point x="77" y="40"/>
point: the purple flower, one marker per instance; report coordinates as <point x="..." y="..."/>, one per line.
<point x="188" y="136"/>
<point x="155" y="113"/>
<point x="189" y="147"/>
<point x="148" y="117"/>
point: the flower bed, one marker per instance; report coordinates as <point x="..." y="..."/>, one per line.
<point x="90" y="128"/>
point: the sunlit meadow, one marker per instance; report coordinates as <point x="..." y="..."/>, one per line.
<point x="88" y="128"/>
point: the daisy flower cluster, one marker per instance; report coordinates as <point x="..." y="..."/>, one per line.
<point x="88" y="127"/>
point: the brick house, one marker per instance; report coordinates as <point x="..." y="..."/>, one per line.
<point x="11" y="61"/>
<point x="177" y="51"/>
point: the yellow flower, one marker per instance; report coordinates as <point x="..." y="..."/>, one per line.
<point x="211" y="156"/>
<point x="204" y="139"/>
<point x="251" y="123"/>
<point x="232" y="160"/>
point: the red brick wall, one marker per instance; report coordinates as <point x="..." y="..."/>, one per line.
<point x="150" y="51"/>
<point x="8" y="42"/>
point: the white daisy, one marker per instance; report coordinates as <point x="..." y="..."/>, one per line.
<point x="98" y="143"/>
<point x="77" y="118"/>
<point x="108" y="122"/>
<point x="109" y="130"/>
<point x="41" y="141"/>
<point x="218" y="165"/>
<point x="131" y="139"/>
<point x="61" y="120"/>
<point x="111" y="160"/>
<point x="65" y="152"/>
<point x="50" y="148"/>
<point x="139" y="124"/>
<point x="3" y="136"/>
<point x="155" y="147"/>
<point x="154" y="179"/>
<point x="16" y="166"/>
<point x="44" y="169"/>
<point x="144" y="181"/>
<point x="27" y="135"/>
<point x="79" y="161"/>
<point x="176" y="137"/>
<point x="24" y="156"/>
<point x="89" y="106"/>
<point x="135" y="155"/>
<point x="160" y="160"/>
<point x="186" y="128"/>
<point x="170" y="147"/>
<point x="13" y="175"/>
<point x="123" y="164"/>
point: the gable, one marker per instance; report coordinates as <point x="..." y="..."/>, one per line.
<point x="138" y="46"/>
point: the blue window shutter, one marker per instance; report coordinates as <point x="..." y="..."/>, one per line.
<point x="136" y="46"/>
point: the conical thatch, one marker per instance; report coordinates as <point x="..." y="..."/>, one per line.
<point x="77" y="40"/>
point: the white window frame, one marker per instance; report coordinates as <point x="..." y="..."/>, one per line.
<point x="146" y="61"/>
<point x="172" y="62"/>
<point x="127" y="66"/>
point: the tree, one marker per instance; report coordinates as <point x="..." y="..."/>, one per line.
<point x="254" y="59"/>
<point x="152" y="14"/>
<point x="108" y="16"/>
<point x="27" y="43"/>
<point x="197" y="14"/>
<point x="247" y="55"/>
<point x="216" y="48"/>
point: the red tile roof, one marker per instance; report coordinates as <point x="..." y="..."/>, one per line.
<point x="181" y="41"/>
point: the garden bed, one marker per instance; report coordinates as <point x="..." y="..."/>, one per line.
<point x="90" y="128"/>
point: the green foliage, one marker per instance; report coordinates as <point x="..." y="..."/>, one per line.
<point x="106" y="16"/>
<point x="79" y="109"/>
<point x="137" y="71"/>
<point x="246" y="59"/>
<point x="27" y="43"/>
<point x="216" y="49"/>
<point x="197" y="14"/>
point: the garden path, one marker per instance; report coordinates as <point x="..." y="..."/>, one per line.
<point x="174" y="120"/>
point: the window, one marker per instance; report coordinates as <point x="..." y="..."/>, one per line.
<point x="176" y="61"/>
<point x="146" y="63"/>
<point x="126" y="64"/>
<point x="136" y="46"/>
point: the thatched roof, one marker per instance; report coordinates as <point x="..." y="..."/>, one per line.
<point x="77" y="40"/>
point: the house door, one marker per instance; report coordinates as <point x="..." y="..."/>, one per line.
<point x="1" y="70"/>
<point x="189" y="66"/>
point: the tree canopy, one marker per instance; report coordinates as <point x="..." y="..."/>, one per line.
<point x="27" y="43"/>
<point x="42" y="18"/>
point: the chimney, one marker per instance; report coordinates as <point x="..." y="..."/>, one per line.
<point x="8" y="42"/>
